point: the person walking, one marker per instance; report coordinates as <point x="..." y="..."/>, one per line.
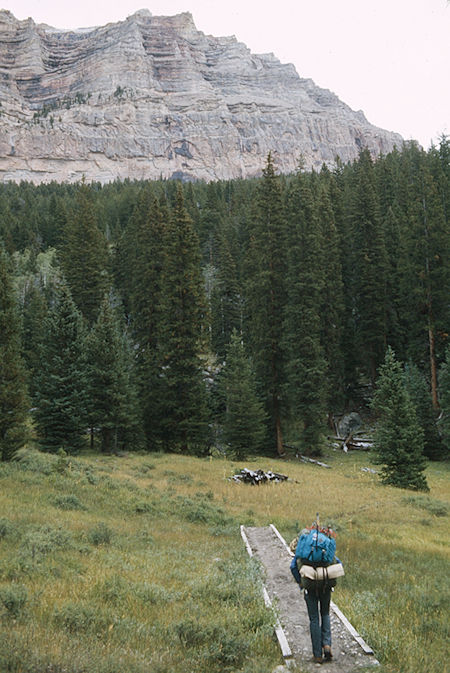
<point x="314" y="553"/>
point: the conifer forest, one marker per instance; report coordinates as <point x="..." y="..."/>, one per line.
<point x="235" y="316"/>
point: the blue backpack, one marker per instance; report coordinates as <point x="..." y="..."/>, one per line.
<point x="316" y="547"/>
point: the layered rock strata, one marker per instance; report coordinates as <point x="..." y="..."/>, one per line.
<point x="152" y="96"/>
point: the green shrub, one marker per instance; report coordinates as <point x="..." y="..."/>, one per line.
<point x="43" y="540"/>
<point x="33" y="460"/>
<point x="431" y="505"/>
<point x="100" y="534"/>
<point x="62" y="462"/>
<point x="234" y="582"/>
<point x="6" y="528"/>
<point x="219" y="646"/>
<point x="176" y="478"/>
<point x="207" y="495"/>
<point x="155" y="594"/>
<point x="81" y="618"/>
<point x="91" y="477"/>
<point x="145" y="468"/>
<point x="69" y="502"/>
<point x="145" y="537"/>
<point x="201" y="511"/>
<point x="144" y="507"/>
<point x="14" y="598"/>
<point x="113" y="590"/>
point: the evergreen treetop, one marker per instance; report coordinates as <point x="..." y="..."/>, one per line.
<point x="399" y="437"/>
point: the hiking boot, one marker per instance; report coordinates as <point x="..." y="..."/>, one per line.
<point x="327" y="653"/>
<point x="318" y="660"/>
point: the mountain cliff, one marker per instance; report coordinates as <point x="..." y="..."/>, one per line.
<point x="152" y="96"/>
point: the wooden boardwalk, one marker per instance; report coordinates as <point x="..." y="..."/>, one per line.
<point x="350" y="652"/>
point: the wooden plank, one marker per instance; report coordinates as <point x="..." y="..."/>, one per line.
<point x="279" y="632"/>
<point x="246" y="542"/>
<point x="359" y="639"/>
<point x="282" y="540"/>
<point x="284" y="645"/>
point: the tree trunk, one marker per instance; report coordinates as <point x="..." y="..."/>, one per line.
<point x="433" y="373"/>
<point x="280" y="449"/>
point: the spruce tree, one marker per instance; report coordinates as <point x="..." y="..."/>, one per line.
<point x="85" y="258"/>
<point x="419" y="391"/>
<point x="429" y="251"/>
<point x="112" y="399"/>
<point x="307" y="385"/>
<point x="148" y="229"/>
<point x="444" y="390"/>
<point x="370" y="268"/>
<point x="266" y="297"/>
<point x="399" y="437"/>
<point x="332" y="311"/>
<point x="130" y="247"/>
<point x="226" y="309"/>
<point x="34" y="312"/>
<point x="13" y="391"/>
<point x="183" y="405"/>
<point x="243" y="425"/>
<point x="59" y="398"/>
<point x="341" y="187"/>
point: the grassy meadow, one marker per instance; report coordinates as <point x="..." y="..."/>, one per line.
<point x="135" y="564"/>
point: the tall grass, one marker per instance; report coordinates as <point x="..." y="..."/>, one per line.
<point x="135" y="563"/>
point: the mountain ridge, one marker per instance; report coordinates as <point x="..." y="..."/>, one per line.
<point x="152" y="96"/>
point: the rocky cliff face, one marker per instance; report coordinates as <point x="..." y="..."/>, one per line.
<point x="152" y="96"/>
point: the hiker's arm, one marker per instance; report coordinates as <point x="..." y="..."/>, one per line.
<point x="294" y="570"/>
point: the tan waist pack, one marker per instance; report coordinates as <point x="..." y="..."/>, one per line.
<point x="330" y="572"/>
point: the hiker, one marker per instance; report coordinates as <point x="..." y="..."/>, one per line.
<point x="314" y="568"/>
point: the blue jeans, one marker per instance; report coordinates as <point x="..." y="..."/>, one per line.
<point x="320" y="632"/>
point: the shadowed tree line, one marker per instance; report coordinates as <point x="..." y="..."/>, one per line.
<point x="241" y="314"/>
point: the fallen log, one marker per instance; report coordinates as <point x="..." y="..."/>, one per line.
<point x="336" y="438"/>
<point x="352" y="443"/>
<point x="306" y="459"/>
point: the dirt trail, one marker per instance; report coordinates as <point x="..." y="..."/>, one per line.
<point x="348" y="655"/>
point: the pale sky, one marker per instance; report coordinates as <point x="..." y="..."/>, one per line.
<point x="389" y="58"/>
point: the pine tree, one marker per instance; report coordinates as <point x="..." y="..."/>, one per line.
<point x="307" y="385"/>
<point x="112" y="399"/>
<point x="370" y="268"/>
<point x="34" y="312"/>
<point x="85" y="258"/>
<point x="226" y="309"/>
<point x="399" y="437"/>
<point x="129" y="247"/>
<point x="210" y="221"/>
<point x="266" y="297"/>
<point x="428" y="249"/>
<point x="341" y="187"/>
<point x="13" y="391"/>
<point x="55" y="222"/>
<point x="419" y="393"/>
<point x="244" y="427"/>
<point x="444" y="390"/>
<point x="60" y="401"/>
<point x="183" y="406"/>
<point x="145" y="306"/>
<point x="332" y="309"/>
